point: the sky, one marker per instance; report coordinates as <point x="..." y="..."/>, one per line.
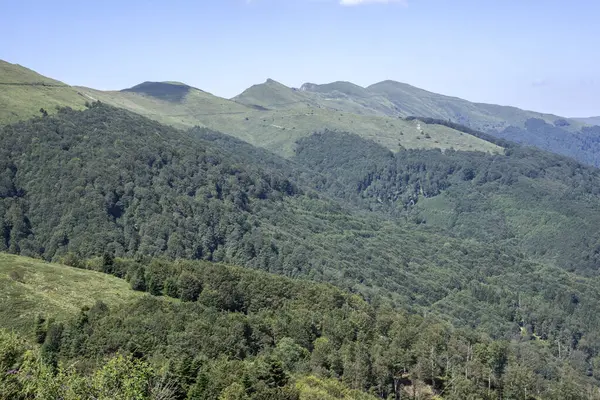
<point x="540" y="55"/>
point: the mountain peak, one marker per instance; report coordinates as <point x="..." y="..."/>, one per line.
<point x="347" y="88"/>
<point x="308" y="87"/>
<point x="274" y="83"/>
<point x="270" y="95"/>
<point x="168" y="91"/>
<point x="389" y="82"/>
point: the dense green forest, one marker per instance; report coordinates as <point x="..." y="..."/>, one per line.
<point x="543" y="204"/>
<point x="241" y="334"/>
<point x="141" y="186"/>
<point x="468" y="247"/>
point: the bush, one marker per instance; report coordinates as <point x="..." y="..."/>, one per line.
<point x="189" y="286"/>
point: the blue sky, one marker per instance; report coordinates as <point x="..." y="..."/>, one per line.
<point x="534" y="54"/>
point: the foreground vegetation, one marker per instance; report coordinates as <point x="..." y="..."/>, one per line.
<point x="212" y="331"/>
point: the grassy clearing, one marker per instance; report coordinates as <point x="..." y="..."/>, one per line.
<point x="23" y="92"/>
<point x="29" y="287"/>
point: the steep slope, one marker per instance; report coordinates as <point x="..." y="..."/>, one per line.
<point x="23" y="92"/>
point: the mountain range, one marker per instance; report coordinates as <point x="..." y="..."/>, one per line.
<point x="325" y="242"/>
<point x="274" y="116"/>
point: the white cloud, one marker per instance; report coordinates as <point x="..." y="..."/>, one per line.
<point x="360" y="2"/>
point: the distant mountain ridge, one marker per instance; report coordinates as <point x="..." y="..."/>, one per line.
<point x="407" y="100"/>
<point x="274" y="116"/>
<point x="590" y="120"/>
<point x="567" y="136"/>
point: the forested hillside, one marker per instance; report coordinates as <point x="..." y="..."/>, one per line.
<point x="215" y="332"/>
<point x="545" y="204"/>
<point x="502" y="246"/>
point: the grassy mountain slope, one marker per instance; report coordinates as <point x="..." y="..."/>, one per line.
<point x="485" y="117"/>
<point x="564" y="136"/>
<point x="400" y="99"/>
<point x="292" y="114"/>
<point x="272" y="95"/>
<point x="152" y="99"/>
<point x="344" y="97"/>
<point x="30" y="287"/>
<point x="278" y="129"/>
<point x="560" y="135"/>
<point x="352" y="98"/>
<point x="23" y="92"/>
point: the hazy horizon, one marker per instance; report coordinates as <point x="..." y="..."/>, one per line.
<point x="534" y="56"/>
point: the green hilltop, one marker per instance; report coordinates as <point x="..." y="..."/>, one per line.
<point x="352" y="98"/>
<point x="23" y="92"/>
<point x="275" y="116"/>
<point x="273" y="95"/>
